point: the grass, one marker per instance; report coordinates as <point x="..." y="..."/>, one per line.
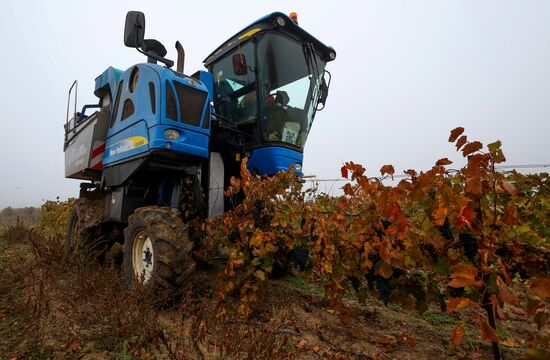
<point x="297" y="285"/>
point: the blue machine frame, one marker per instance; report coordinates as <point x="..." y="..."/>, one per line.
<point x="144" y="124"/>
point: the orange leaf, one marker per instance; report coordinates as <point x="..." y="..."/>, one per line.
<point x="509" y="342"/>
<point x="455" y="133"/>
<point x="510" y="188"/>
<point x="471" y="147"/>
<point x="464" y="270"/>
<point x="504" y="271"/>
<point x="487" y="331"/>
<point x="454" y="304"/>
<point x="444" y="161"/>
<point x="387" y="169"/>
<point x="505" y="294"/>
<point x="541" y="286"/>
<point x="461" y="141"/>
<point x="410" y="172"/>
<point x="464" y="275"/>
<point x="385" y="271"/>
<point x="456" y="339"/>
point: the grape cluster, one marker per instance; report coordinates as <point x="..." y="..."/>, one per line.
<point x="355" y="283"/>
<point x="455" y="292"/>
<point x="445" y="230"/>
<point x="432" y="251"/>
<point x="469" y="244"/>
<point x="384" y="289"/>
<point x="262" y="222"/>
<point x="234" y="236"/>
<point x="299" y="256"/>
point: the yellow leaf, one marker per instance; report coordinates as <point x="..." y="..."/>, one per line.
<point x="260" y="275"/>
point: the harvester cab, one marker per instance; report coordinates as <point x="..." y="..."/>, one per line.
<point x="161" y="146"/>
<point x="268" y="82"/>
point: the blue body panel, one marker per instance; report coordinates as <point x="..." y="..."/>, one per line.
<point x="190" y="142"/>
<point x="272" y="159"/>
<point x="208" y="80"/>
<point x="125" y="144"/>
<point x="108" y="80"/>
<point x="143" y="130"/>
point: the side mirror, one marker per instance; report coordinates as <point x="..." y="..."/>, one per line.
<point x="134" y="29"/>
<point x="324" y="91"/>
<point x="239" y="64"/>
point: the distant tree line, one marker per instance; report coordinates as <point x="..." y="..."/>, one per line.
<point x="11" y="215"/>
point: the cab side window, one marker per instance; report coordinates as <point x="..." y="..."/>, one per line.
<point x="117" y="101"/>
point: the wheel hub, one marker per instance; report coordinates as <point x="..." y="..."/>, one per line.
<point x="143" y="257"/>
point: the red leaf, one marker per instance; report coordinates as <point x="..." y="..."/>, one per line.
<point x="456" y="339"/>
<point x="541" y="286"/>
<point x="387" y="169"/>
<point x="444" y="161"/>
<point x="465" y="215"/>
<point x="487" y="331"/>
<point x="461" y="141"/>
<point x="455" y="133"/>
<point x="344" y="171"/>
<point x="505" y="294"/>
<point x="471" y="147"/>
<point x="455" y="304"/>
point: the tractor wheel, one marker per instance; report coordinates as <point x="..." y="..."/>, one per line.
<point x="80" y="239"/>
<point x="157" y="249"/>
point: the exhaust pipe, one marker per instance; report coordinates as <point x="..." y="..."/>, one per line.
<point x="181" y="57"/>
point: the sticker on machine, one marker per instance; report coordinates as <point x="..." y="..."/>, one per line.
<point x="127" y="144"/>
<point x="289" y="136"/>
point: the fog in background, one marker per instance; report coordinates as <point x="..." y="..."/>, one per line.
<point x="406" y="73"/>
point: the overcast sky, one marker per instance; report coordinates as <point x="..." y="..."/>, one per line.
<point x="406" y="73"/>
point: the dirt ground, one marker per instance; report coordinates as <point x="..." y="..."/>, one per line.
<point x="54" y="307"/>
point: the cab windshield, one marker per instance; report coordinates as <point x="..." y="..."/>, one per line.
<point x="290" y="74"/>
<point x="274" y="101"/>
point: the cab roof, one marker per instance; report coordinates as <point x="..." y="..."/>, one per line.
<point x="270" y="22"/>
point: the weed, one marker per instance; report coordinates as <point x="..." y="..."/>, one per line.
<point x="437" y="318"/>
<point x="396" y="307"/>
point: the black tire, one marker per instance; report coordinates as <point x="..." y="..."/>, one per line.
<point x="82" y="240"/>
<point x="73" y="239"/>
<point x="157" y="249"/>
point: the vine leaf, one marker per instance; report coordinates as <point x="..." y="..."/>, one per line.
<point x="541" y="286"/>
<point x="461" y="141"/>
<point x="456" y="339"/>
<point x="464" y="275"/>
<point x="387" y="169"/>
<point x="487" y="331"/>
<point x="471" y="147"/>
<point x="444" y="161"/>
<point x="344" y="171"/>
<point x="505" y="294"/>
<point x="454" y="304"/>
<point x="455" y="133"/>
<point x="510" y="188"/>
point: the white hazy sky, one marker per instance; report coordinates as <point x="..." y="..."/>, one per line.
<point x="406" y="73"/>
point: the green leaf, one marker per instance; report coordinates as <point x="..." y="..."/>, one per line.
<point x="523" y="229"/>
<point x="441" y="266"/>
<point x="493" y="147"/>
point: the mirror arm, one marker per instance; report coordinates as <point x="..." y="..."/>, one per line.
<point x="165" y="61"/>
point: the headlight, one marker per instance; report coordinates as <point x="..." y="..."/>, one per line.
<point x="171" y="134"/>
<point x="298" y="167"/>
<point x="281" y="21"/>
